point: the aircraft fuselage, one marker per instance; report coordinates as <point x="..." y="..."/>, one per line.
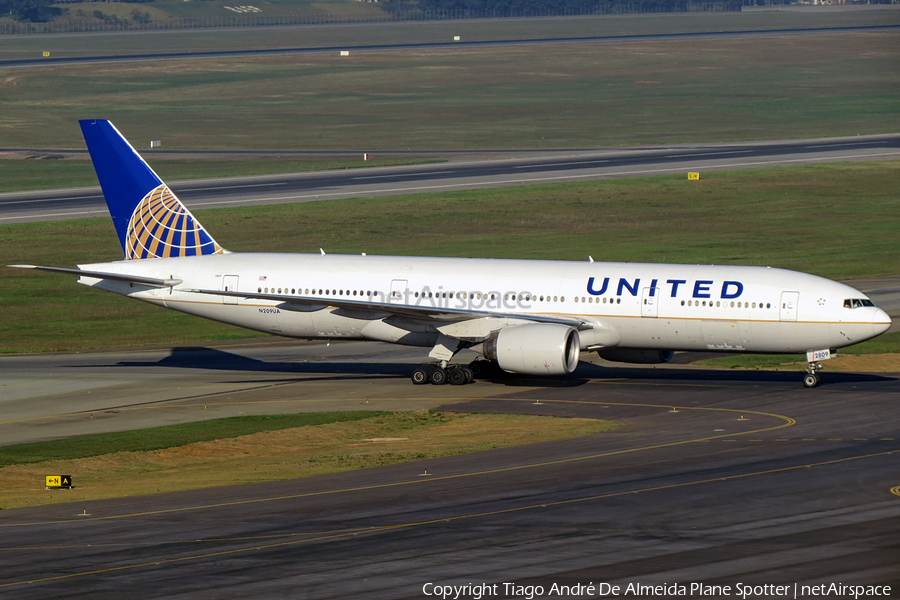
<point x="658" y="306"/>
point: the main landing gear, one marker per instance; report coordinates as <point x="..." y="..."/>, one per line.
<point x="811" y="379"/>
<point x="439" y="375"/>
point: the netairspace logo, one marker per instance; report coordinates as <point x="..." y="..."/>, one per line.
<point x="479" y="591"/>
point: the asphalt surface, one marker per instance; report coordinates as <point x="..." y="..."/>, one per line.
<point x="716" y="478"/>
<point x="525" y="168"/>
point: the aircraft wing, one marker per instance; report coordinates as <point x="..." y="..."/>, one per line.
<point x="151" y="281"/>
<point x="425" y="312"/>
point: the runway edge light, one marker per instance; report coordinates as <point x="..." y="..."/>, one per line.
<point x="58" y="482"/>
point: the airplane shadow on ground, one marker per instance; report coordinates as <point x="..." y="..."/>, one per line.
<point x="218" y="360"/>
<point x="213" y="359"/>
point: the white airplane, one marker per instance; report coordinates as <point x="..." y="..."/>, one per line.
<point x="531" y="317"/>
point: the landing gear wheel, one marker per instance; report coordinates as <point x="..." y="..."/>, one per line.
<point x="438" y="376"/>
<point x="470" y="376"/>
<point x="420" y="376"/>
<point x="456" y="376"/>
<point x="811" y="379"/>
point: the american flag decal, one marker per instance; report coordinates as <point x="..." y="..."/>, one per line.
<point x="161" y="227"/>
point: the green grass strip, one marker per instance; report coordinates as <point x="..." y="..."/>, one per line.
<point x="170" y="436"/>
<point x="884" y="344"/>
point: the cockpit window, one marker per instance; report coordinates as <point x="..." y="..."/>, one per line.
<point x="857" y="302"/>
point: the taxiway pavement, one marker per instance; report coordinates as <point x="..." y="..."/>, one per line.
<point x="491" y="170"/>
<point x="802" y="489"/>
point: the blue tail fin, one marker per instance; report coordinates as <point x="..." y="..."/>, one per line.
<point x="150" y="221"/>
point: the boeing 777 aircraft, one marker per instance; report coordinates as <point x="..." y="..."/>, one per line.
<point x="530" y="317"/>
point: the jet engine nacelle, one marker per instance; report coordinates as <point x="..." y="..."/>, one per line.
<point x="534" y="349"/>
<point x="636" y="355"/>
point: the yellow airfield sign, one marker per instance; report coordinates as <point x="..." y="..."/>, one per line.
<point x="58" y="481"/>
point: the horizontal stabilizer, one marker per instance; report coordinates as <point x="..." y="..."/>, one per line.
<point x="151" y="281"/>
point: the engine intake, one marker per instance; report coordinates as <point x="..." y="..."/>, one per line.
<point x="534" y="349"/>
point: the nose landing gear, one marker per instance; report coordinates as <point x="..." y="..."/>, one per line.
<point x="811" y="379"/>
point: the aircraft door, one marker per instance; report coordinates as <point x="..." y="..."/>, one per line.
<point x="649" y="302"/>
<point x="788" y="309"/>
<point x="229" y="284"/>
<point x="399" y="292"/>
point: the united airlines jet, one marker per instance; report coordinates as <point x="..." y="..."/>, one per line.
<point x="523" y="316"/>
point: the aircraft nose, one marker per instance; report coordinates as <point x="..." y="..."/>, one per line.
<point x="881" y="320"/>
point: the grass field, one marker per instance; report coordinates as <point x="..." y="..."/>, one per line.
<point x="161" y="10"/>
<point x="170" y="436"/>
<point x="837" y="220"/>
<point x="550" y="96"/>
<point x="115" y="470"/>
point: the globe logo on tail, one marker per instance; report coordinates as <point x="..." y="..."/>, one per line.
<point x="162" y="227"/>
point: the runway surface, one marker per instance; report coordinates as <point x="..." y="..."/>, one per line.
<point x="68" y="60"/>
<point x="715" y="477"/>
<point x="527" y="168"/>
